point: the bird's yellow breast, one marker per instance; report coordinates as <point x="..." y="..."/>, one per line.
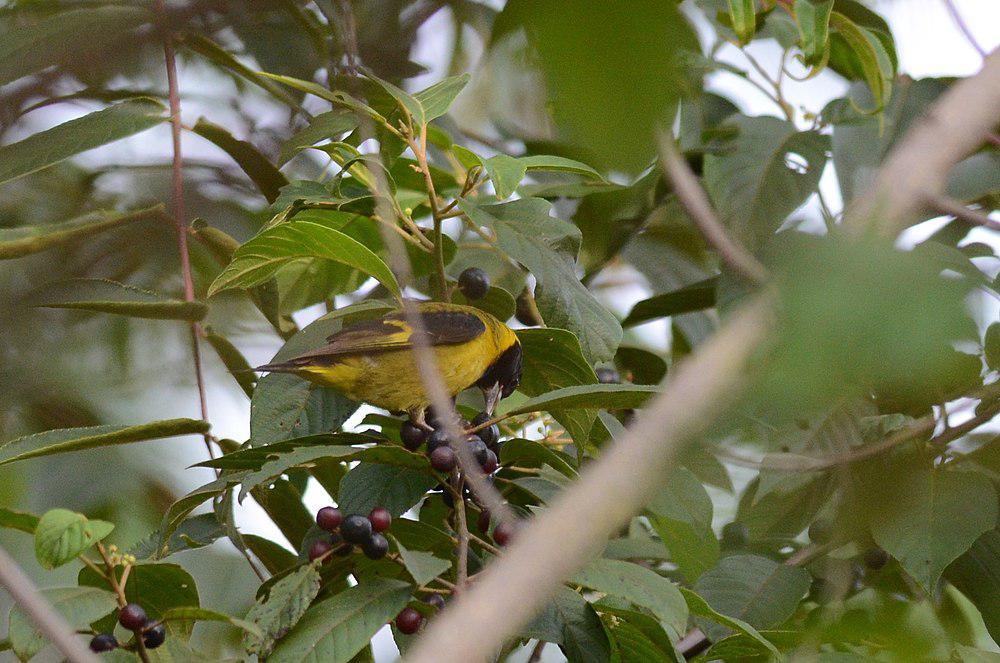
<point x="390" y="379"/>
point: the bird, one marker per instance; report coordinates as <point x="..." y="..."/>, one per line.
<point x="372" y="360"/>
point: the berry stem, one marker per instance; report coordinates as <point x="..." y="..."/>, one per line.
<point x="462" y="527"/>
<point x="485" y="544"/>
<point x="119" y="589"/>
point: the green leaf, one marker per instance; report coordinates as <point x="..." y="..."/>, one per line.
<point x="635" y="547"/>
<point x="744" y="20"/>
<point x="770" y="171"/>
<point x="422" y="566"/>
<point x="325" y="126"/>
<point x="259" y="259"/>
<point x="639" y="585"/>
<point x="192" y="533"/>
<point x="273" y="556"/>
<point x="62" y="534"/>
<point x="991" y="346"/>
<point x="337" y="628"/>
<point x="547" y="246"/>
<point x="157" y="587"/>
<point x="695" y="297"/>
<point x="636" y="637"/>
<point x="926" y="522"/>
<point x="25" y="240"/>
<point x="976" y="573"/>
<point x="506" y="174"/>
<point x="406" y="101"/>
<point x="51" y="146"/>
<point x="192" y="614"/>
<point x="79" y="606"/>
<point x="529" y="453"/>
<point x="67" y="36"/>
<point x="261" y="172"/>
<point x="107" y="296"/>
<point x="813" y="20"/>
<point x="875" y="62"/>
<point x="590" y="73"/>
<point x="437" y="99"/>
<point x="180" y="509"/>
<point x="369" y="485"/>
<point x="64" y="440"/>
<point x="549" y="162"/>
<point x="681" y="514"/>
<point x="591" y="396"/>
<point x="757" y="590"/>
<point x="699" y="607"/>
<point x="497" y="302"/>
<point x="285" y="604"/>
<point x="19" y="520"/>
<point x="233" y="360"/>
<point x="570" y="622"/>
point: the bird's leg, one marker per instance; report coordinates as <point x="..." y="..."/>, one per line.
<point x="418" y="417"/>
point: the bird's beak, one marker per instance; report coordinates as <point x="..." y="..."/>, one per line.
<point x="492" y="395"/>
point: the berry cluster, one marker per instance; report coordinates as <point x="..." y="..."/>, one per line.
<point x="133" y="617"/>
<point x="354" y="530"/>
<point x="484" y="444"/>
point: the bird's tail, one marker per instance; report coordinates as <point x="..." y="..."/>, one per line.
<point x="281" y="367"/>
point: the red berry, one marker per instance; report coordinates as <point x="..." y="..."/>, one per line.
<point x="443" y="459"/>
<point x="319" y="548"/>
<point x="329" y="518"/>
<point x="503" y="533"/>
<point x="490" y="463"/>
<point x="132" y="617"/>
<point x="412" y="435"/>
<point x="409" y="621"/>
<point x="380" y="518"/>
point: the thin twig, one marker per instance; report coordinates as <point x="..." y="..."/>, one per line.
<point x="698" y="207"/>
<point x="462" y="529"/>
<point x="119" y="589"/>
<point x="27" y="597"/>
<point x="951" y="207"/>
<point x="179" y="215"/>
<point x="963" y="28"/>
<point x="536" y="653"/>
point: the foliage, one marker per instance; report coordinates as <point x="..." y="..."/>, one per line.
<point x="857" y="530"/>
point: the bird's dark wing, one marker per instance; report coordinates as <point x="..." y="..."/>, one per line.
<point x="392" y="332"/>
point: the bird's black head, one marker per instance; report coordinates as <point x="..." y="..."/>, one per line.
<point x="505" y="371"/>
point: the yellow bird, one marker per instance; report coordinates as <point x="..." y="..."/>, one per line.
<point x="372" y="361"/>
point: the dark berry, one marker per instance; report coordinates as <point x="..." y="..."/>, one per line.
<point x="132" y="617"/>
<point x="876" y="558"/>
<point x="474" y="283"/>
<point x="409" y="621"/>
<point x="380" y="518"/>
<point x="436" y="440"/>
<point x="436" y="600"/>
<point x="443" y="459"/>
<point x="484" y="521"/>
<point x="412" y="435"/>
<point x="319" y="548"/>
<point x="154" y="636"/>
<point x="356" y="529"/>
<point x="503" y="533"/>
<point x="376" y="547"/>
<point x="735" y="535"/>
<point x="344" y="550"/>
<point x="477" y="448"/>
<point x="103" y="642"/>
<point x="491" y="434"/>
<point x="491" y="463"/>
<point x="607" y="375"/>
<point x="329" y="518"/>
<point x="820" y="531"/>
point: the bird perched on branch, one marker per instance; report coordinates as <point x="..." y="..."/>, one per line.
<point x="372" y="361"/>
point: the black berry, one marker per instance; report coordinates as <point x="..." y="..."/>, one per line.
<point x="474" y="283"/>
<point x="484" y="521"/>
<point x="356" y="529"/>
<point x="735" y="535"/>
<point x="409" y="621"/>
<point x="477" y="448"/>
<point x="876" y="558"/>
<point x="412" y="435"/>
<point x="436" y="600"/>
<point x="491" y="434"/>
<point x="820" y="531"/>
<point x="436" y="439"/>
<point x="380" y="518"/>
<point x="154" y="636"/>
<point x="319" y="548"/>
<point x="329" y="518"/>
<point x="375" y="547"/>
<point x="504" y="533"/>
<point x="443" y="459"/>
<point x="132" y="617"/>
<point x="491" y="463"/>
<point x="104" y="642"/>
<point x="606" y="375"/>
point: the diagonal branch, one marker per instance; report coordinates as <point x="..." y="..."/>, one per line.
<point x="946" y="205"/>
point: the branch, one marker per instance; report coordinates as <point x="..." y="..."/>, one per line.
<point x="698" y="207"/>
<point x="27" y="597"/>
<point x="946" y="205"/>
<point x="963" y="28"/>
